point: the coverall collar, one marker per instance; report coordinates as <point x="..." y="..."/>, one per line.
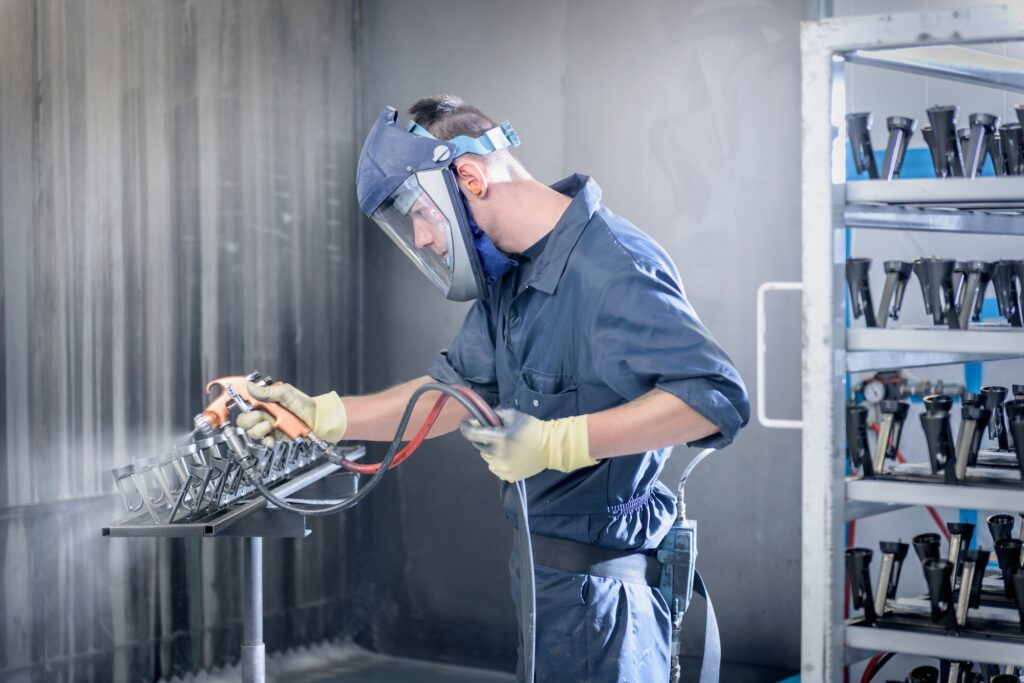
<point x="586" y="199"/>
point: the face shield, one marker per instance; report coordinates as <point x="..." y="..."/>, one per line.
<point x="406" y="186"/>
<point x="419" y="217"/>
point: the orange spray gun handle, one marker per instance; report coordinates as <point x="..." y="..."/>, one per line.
<point x="235" y="389"/>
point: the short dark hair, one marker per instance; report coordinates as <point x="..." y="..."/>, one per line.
<point x="447" y="116"/>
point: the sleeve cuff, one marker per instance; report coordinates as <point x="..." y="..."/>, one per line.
<point x="713" y="405"/>
<point x="329" y="417"/>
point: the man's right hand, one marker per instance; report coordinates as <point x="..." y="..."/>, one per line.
<point x="324" y="414"/>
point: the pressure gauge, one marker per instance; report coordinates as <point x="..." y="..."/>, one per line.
<point x="874" y="392"/>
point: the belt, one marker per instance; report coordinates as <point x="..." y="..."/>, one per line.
<point x="631" y="566"/>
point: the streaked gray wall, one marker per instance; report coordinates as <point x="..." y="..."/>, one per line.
<point x="688" y="116"/>
<point x="176" y="203"/>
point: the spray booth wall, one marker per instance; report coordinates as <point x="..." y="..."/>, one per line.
<point x="687" y="114"/>
<point x="175" y="204"/>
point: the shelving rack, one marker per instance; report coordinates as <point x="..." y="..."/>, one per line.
<point x="935" y="44"/>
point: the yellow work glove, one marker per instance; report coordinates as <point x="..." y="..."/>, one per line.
<point x="325" y="414"/>
<point x="525" y="445"/>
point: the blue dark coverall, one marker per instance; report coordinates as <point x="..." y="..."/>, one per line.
<point x="597" y="318"/>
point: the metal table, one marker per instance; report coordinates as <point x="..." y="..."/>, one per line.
<point x="254" y="519"/>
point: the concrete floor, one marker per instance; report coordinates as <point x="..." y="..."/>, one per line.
<point x="346" y="663"/>
<point x="343" y="663"/>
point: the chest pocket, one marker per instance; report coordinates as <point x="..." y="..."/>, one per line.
<point x="545" y="395"/>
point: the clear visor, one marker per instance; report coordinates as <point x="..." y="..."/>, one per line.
<point x="415" y="223"/>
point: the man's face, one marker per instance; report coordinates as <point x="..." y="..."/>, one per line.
<point x="430" y="229"/>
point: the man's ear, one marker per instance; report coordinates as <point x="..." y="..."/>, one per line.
<point x="471" y="175"/>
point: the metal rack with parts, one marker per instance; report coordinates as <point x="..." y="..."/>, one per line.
<point x="936" y="44"/>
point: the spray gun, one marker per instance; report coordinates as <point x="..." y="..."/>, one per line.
<point x="235" y="392"/>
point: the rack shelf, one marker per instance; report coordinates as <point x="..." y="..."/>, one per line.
<point x="930" y="43"/>
<point x="991" y="193"/>
<point x="902" y="493"/>
<point x="951" y="62"/>
<point x="902" y="217"/>
<point x="991" y="650"/>
<point x="934" y="345"/>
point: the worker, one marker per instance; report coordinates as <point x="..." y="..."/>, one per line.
<point x="582" y="337"/>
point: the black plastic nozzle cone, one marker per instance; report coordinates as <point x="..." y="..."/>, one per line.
<point x="860" y="290"/>
<point x="1008" y="555"/>
<point x="965" y="530"/>
<point x="857" y="445"/>
<point x="937" y="573"/>
<point x="980" y="560"/>
<point x="982" y="128"/>
<point x="947" y="143"/>
<point x="939" y="438"/>
<point x="926" y="546"/>
<point x="937" y="403"/>
<point x="994" y="397"/>
<point x="901" y="129"/>
<point x="1000" y="526"/>
<point x="940" y="276"/>
<point x="1018" y="596"/>
<point x="858" y="129"/>
<point x="1011" y="140"/>
<point x="1019" y="108"/>
<point x="924" y="674"/>
<point x="858" y="571"/>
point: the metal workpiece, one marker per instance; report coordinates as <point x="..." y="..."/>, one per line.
<point x="946" y="142"/>
<point x="897" y="274"/>
<point x="970" y="296"/>
<point x="857" y="445"/>
<point x="983" y="127"/>
<point x="894" y="415"/>
<point x="935" y="276"/>
<point x="938" y="435"/>
<point x="994" y="397"/>
<point x="858" y="129"/>
<point x="1004" y="277"/>
<point x="1017" y="579"/>
<point x="938" y="162"/>
<point x="968" y="437"/>
<point x="857" y="280"/>
<point x="963" y="598"/>
<point x="1011" y="143"/>
<point x="960" y="535"/>
<point x="893" y="555"/>
<point x="858" y="570"/>
<point x="901" y="129"/>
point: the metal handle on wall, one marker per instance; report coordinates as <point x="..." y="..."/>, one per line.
<point x="762" y="416"/>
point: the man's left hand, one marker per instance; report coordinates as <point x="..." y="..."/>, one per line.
<point x="524" y="445"/>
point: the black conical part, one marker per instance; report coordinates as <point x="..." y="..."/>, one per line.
<point x="1000" y="526"/>
<point x="857" y="445"/>
<point x="939" y="438"/>
<point x="964" y="529"/>
<point x="940" y="593"/>
<point x="858" y="571"/>
<point x="980" y="559"/>
<point x="924" y="674"/>
<point x="938" y="403"/>
<point x="1018" y="596"/>
<point x="1008" y="555"/>
<point x="926" y="546"/>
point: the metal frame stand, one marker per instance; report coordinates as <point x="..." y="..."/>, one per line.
<point x="254" y="662"/>
<point x="252" y="520"/>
